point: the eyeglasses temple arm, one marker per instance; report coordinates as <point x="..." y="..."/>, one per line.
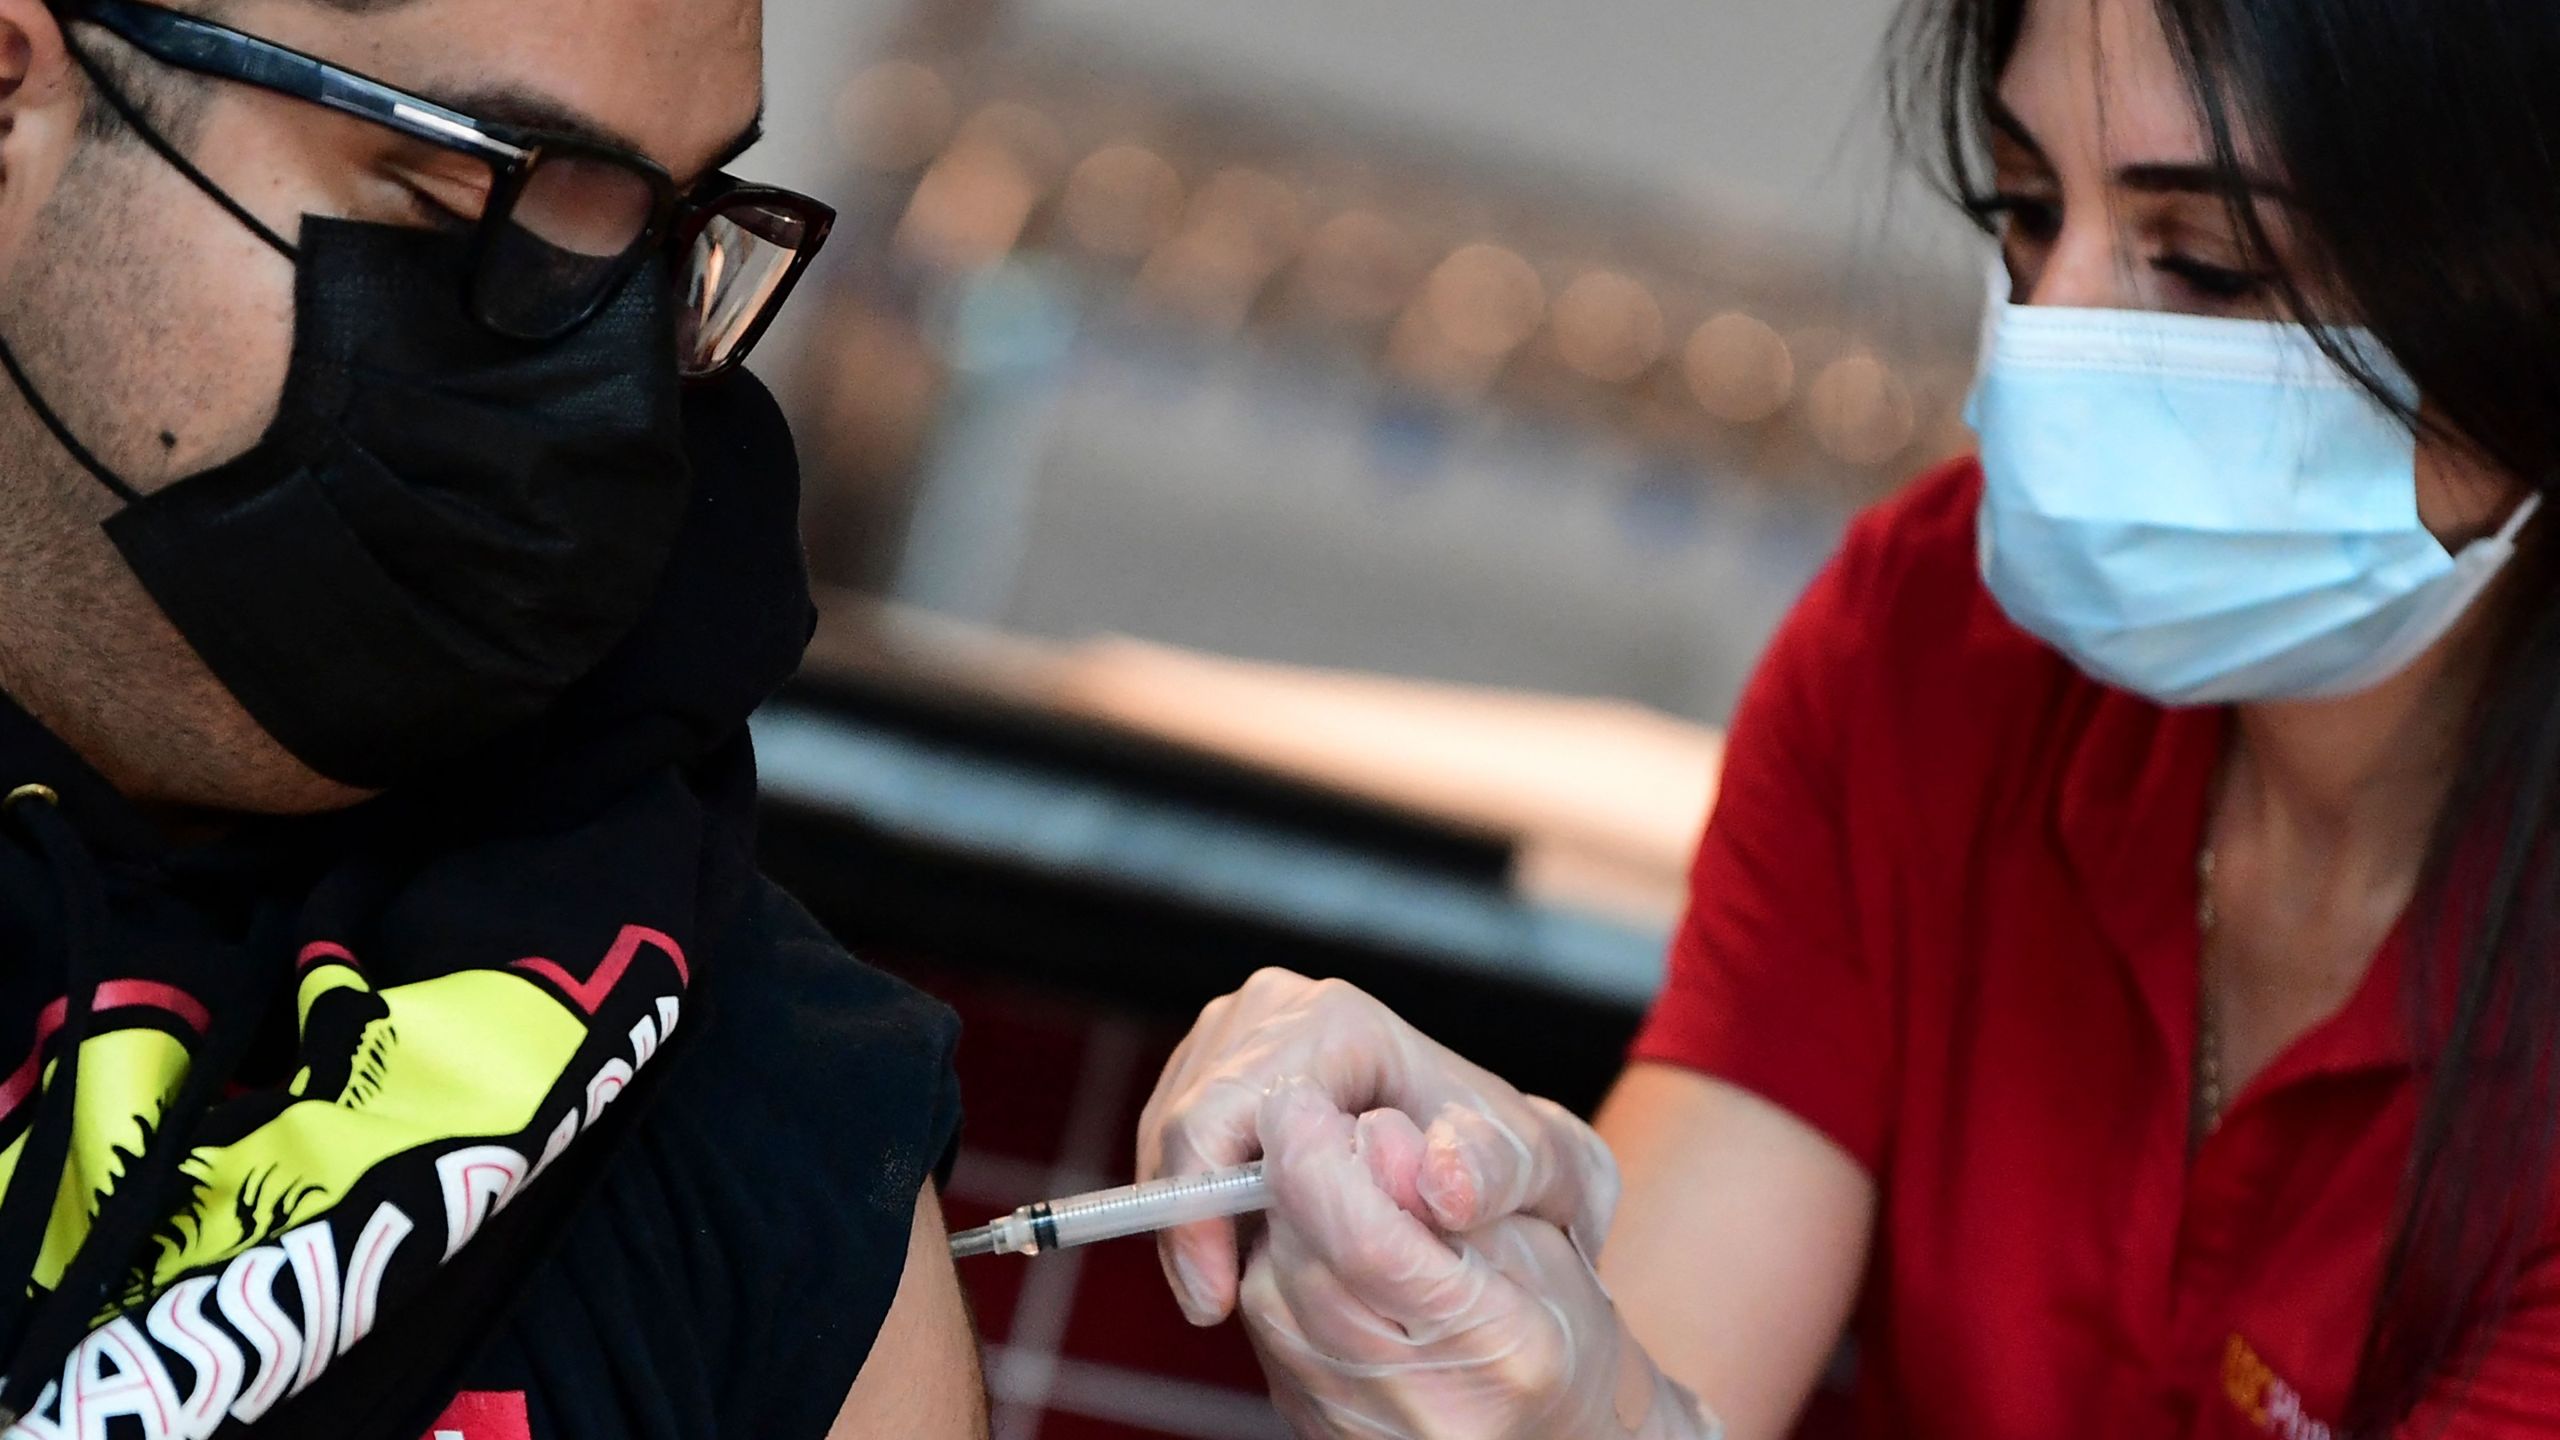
<point x="207" y="49"/>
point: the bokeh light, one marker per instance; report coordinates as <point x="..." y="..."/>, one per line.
<point x="969" y="210"/>
<point x="1739" y="368"/>
<point x="1122" y="201"/>
<point x="1608" y="326"/>
<point x="1860" y="410"/>
<point x="1485" y="300"/>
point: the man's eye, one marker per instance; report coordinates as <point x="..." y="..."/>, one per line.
<point x="440" y="200"/>
<point x="432" y="212"/>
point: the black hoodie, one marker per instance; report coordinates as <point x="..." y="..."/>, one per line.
<point x="518" y="1081"/>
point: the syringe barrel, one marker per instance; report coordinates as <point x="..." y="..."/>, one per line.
<point x="1132" y="1209"/>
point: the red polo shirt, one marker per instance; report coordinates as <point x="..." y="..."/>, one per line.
<point x="1946" y="914"/>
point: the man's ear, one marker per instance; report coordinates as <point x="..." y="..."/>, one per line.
<point x="41" y="96"/>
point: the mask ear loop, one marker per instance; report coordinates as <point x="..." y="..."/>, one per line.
<point x="62" y="433"/>
<point x="131" y="114"/>
<point x="2524" y="511"/>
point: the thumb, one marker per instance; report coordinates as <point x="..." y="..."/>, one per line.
<point x="1391" y="1145"/>
<point x="1325" y="1195"/>
<point x="1477" y="1168"/>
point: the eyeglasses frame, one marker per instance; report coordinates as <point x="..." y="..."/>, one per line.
<point x="205" y="47"/>
<point x="721" y="193"/>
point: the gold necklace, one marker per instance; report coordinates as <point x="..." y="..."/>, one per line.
<point x="2207" y="1111"/>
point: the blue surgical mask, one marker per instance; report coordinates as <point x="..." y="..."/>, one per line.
<point x="2203" y="510"/>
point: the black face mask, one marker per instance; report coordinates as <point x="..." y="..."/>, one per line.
<point x="443" y="527"/>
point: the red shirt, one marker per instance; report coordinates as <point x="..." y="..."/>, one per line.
<point x="1946" y="913"/>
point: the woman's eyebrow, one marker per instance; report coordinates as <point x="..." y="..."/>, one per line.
<point x="2156" y="177"/>
<point x="2198" y="178"/>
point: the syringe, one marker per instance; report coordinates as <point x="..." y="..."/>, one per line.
<point x="1110" y="1214"/>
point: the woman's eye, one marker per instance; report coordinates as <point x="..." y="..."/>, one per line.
<point x="2218" y="283"/>
<point x="2019" y="217"/>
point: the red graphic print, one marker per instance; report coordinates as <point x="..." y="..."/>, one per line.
<point x="589" y="994"/>
<point x="483" y="1415"/>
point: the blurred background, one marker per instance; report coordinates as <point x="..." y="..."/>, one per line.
<point x="1302" y="482"/>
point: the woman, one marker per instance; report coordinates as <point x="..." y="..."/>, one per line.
<point x="2119" y="988"/>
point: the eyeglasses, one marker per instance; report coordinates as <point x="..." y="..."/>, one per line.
<point x="567" y="222"/>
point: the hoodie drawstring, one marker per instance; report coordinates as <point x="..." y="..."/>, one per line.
<point x="39" y="1332"/>
<point x="26" y="1207"/>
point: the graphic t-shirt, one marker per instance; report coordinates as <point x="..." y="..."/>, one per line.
<point x="726" y="1277"/>
<point x="294" y="1116"/>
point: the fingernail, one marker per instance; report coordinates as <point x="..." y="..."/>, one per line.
<point x="1192" y="1293"/>
<point x="1447" y="1183"/>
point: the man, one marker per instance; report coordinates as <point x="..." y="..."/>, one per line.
<point x="403" y="1043"/>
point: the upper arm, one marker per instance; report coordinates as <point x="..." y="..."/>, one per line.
<point x="921" y="1378"/>
<point x="1759" y="1108"/>
<point x="1774" y="985"/>
<point x="1739" y="1244"/>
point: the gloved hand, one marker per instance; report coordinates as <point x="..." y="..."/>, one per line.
<point x="1490" y="1151"/>
<point x="1370" y="1324"/>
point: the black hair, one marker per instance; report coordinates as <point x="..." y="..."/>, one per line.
<point x="2419" y="141"/>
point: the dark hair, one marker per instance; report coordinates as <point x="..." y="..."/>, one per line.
<point x="2420" y="141"/>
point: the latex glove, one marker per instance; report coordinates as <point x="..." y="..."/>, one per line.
<point x="1489" y="1151"/>
<point x="1370" y="1324"/>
